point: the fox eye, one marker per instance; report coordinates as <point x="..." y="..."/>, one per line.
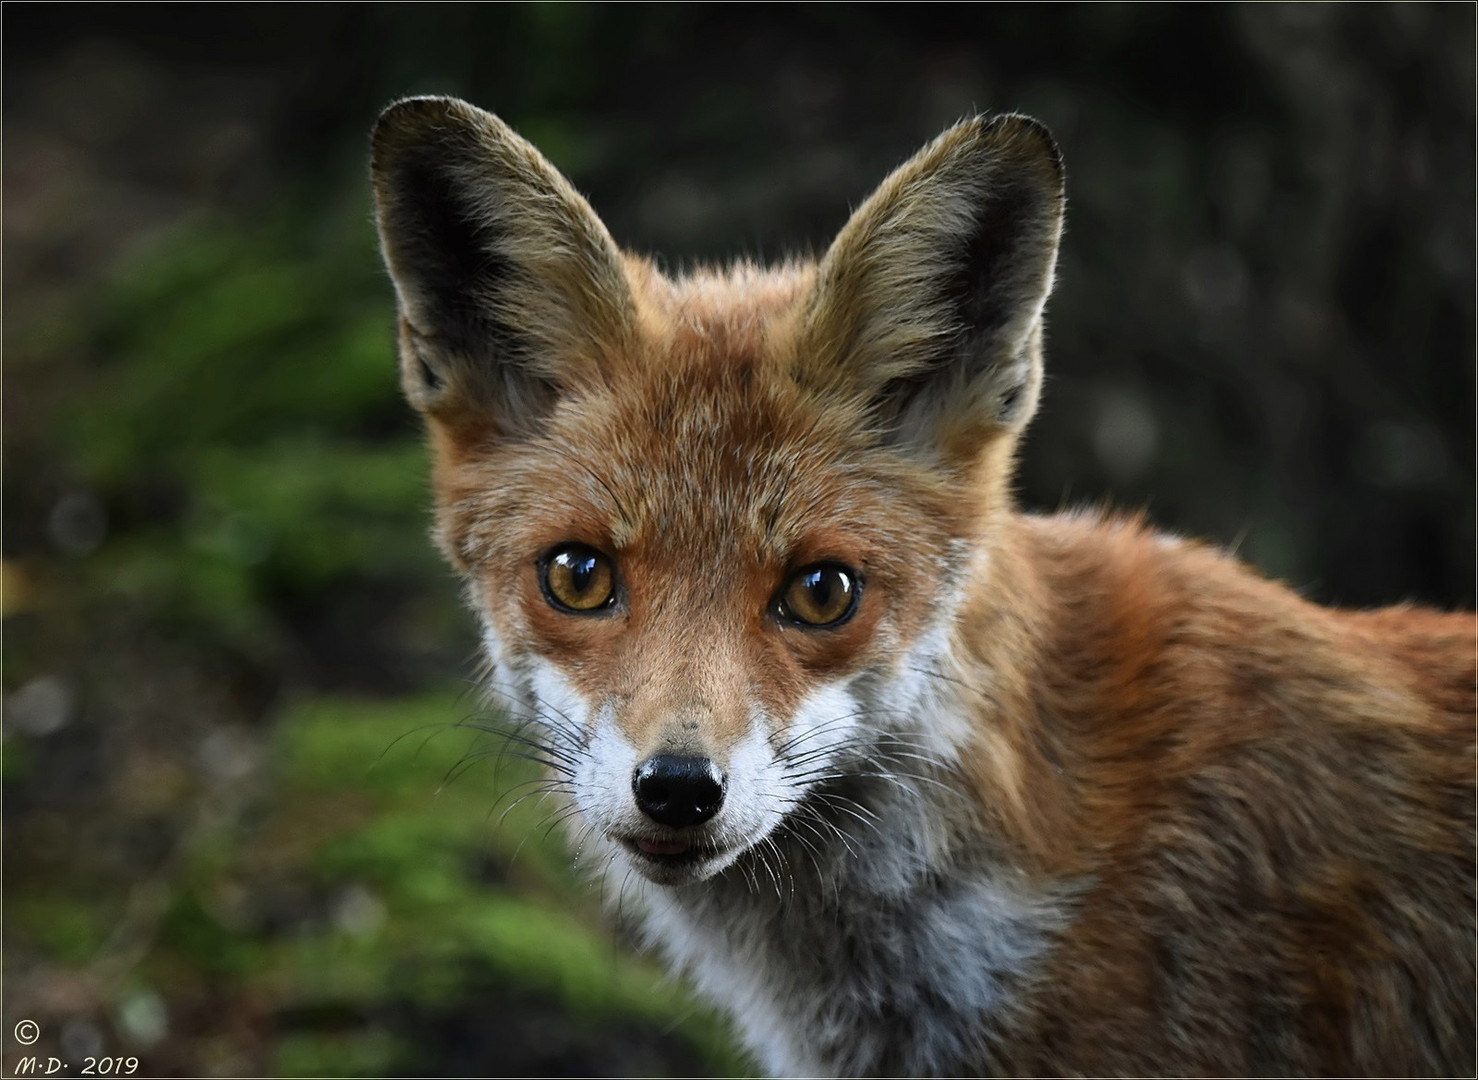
<point x="577" y="579"/>
<point x="824" y="595"/>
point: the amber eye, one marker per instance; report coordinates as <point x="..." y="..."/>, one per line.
<point x="577" y="579"/>
<point x="824" y="595"/>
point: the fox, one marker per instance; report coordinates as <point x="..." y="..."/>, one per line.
<point x="906" y="780"/>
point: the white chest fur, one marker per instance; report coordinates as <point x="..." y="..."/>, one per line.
<point x="862" y="961"/>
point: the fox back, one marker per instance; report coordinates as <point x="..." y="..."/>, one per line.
<point x="906" y="780"/>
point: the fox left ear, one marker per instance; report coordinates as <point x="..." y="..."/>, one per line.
<point x="929" y="303"/>
<point x="509" y="287"/>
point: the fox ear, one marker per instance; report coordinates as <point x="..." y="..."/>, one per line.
<point x="508" y="284"/>
<point x="929" y="303"/>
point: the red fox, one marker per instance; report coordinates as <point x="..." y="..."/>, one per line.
<point x="913" y="782"/>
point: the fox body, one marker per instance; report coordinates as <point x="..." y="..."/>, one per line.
<point x="908" y="781"/>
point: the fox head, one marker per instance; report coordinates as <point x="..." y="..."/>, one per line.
<point x="718" y="529"/>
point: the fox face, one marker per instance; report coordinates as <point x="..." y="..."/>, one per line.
<point x="701" y="656"/>
<point x="717" y="529"/>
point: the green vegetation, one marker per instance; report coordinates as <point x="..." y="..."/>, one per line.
<point x="248" y="377"/>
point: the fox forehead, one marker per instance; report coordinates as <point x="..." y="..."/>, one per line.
<point x="697" y="441"/>
<point x="709" y="473"/>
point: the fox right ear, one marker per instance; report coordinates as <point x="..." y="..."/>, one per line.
<point x="928" y="305"/>
<point x="509" y="286"/>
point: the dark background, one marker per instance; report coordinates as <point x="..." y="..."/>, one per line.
<point x="241" y="835"/>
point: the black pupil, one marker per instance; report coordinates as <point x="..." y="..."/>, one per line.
<point x="582" y="570"/>
<point x="821" y="584"/>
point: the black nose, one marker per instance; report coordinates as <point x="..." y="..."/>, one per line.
<point x="677" y="790"/>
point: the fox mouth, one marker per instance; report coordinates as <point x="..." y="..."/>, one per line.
<point x="668" y="859"/>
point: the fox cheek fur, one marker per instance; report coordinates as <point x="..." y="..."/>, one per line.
<point x="914" y="783"/>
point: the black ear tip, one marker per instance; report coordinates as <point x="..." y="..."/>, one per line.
<point x="411" y="119"/>
<point x="415" y="111"/>
<point x="1023" y="137"/>
<point x="1029" y="129"/>
<point x="426" y="106"/>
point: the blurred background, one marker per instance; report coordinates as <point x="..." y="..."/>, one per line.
<point x="243" y="831"/>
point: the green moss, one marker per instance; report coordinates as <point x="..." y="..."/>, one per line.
<point x="208" y="944"/>
<point x="69" y="929"/>
<point x="367" y="1052"/>
<point x="242" y="423"/>
<point x="226" y="338"/>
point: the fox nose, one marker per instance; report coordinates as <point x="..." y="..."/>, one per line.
<point x="678" y="790"/>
